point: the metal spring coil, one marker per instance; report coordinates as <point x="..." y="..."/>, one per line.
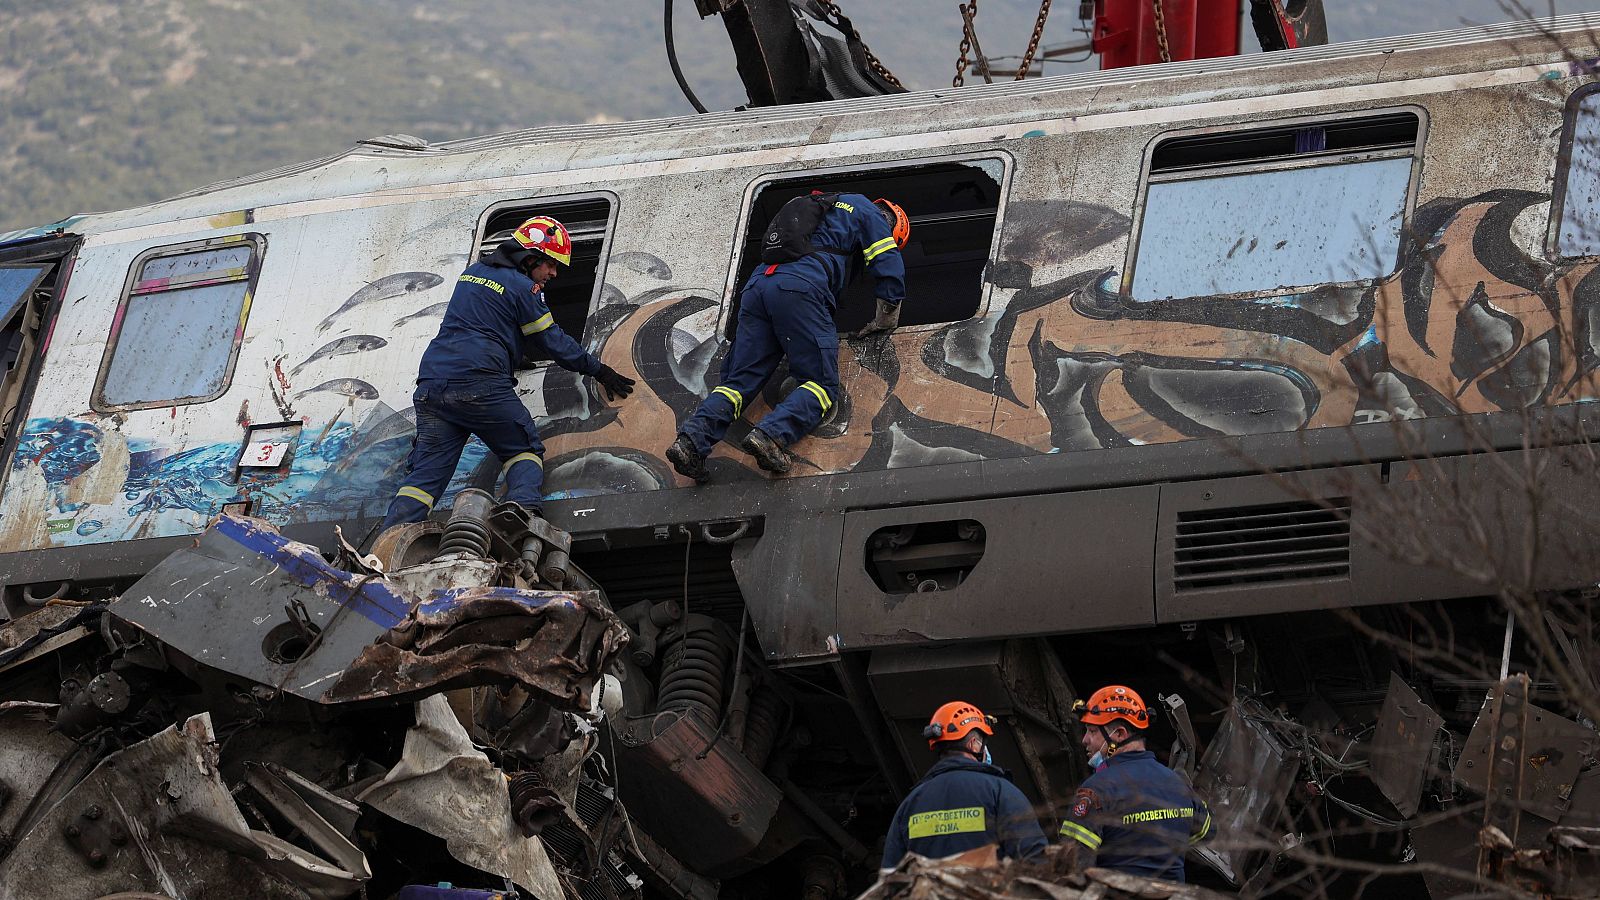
<point x="762" y="724"/>
<point x="465" y="536"/>
<point x="694" y="672"/>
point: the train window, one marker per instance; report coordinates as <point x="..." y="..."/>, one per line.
<point x="186" y="303"/>
<point x="1578" y="188"/>
<point x="952" y="206"/>
<point x="572" y="293"/>
<point x="1274" y="208"/>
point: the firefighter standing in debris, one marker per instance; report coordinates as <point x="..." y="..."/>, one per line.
<point x="965" y="802"/>
<point x="786" y="310"/>
<point x="1133" y="814"/>
<point x="466" y="381"/>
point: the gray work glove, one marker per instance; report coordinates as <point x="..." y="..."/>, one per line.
<point x="887" y="320"/>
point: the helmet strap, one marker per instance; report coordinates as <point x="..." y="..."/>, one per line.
<point x="1111" y="746"/>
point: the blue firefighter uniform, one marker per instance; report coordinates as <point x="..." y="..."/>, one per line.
<point x="960" y="805"/>
<point x="466" y="386"/>
<point x="787" y="310"/>
<point x="1136" y="815"/>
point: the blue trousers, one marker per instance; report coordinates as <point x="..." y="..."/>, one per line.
<point x="447" y="414"/>
<point x="779" y="316"/>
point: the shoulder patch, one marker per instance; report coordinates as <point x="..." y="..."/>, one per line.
<point x="1084" y="801"/>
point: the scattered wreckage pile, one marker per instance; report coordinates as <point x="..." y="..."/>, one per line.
<point x="250" y="719"/>
<point x="1052" y="878"/>
<point x="465" y="706"/>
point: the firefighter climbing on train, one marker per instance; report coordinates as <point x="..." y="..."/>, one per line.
<point x="1133" y="814"/>
<point x="813" y="247"/>
<point x="966" y="805"/>
<point x="466" y="381"/>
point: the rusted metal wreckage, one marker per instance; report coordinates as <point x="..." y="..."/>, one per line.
<point x="464" y="706"/>
<point x="324" y="713"/>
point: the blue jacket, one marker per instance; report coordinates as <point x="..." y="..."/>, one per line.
<point x="1137" y="816"/>
<point x="853" y="225"/>
<point x="492" y="314"/>
<point x="962" y="804"/>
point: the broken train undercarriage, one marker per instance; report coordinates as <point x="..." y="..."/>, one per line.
<point x="467" y="705"/>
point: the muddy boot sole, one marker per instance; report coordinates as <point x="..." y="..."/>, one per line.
<point x="686" y="462"/>
<point x="768" y="455"/>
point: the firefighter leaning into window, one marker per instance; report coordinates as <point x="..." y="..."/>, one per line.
<point x="786" y="310"/>
<point x="1133" y="814"/>
<point x="466" y="381"/>
<point x="965" y="802"/>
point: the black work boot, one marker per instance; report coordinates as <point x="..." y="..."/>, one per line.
<point x="687" y="460"/>
<point x="770" y="456"/>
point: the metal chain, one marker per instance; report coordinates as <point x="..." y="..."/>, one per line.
<point x="877" y="67"/>
<point x="968" y="14"/>
<point x="1038" y="32"/>
<point x="1161" y="32"/>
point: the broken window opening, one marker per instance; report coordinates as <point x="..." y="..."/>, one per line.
<point x="924" y="557"/>
<point x="25" y="292"/>
<point x="186" y="302"/>
<point x="952" y="207"/>
<point x="1577" y="196"/>
<point x="572" y="293"/>
<point x="1272" y="209"/>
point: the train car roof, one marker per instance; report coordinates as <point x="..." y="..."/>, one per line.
<point x="395" y="167"/>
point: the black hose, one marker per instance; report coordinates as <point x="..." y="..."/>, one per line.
<point x="672" y="58"/>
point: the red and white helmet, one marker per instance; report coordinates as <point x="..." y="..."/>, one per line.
<point x="542" y="234"/>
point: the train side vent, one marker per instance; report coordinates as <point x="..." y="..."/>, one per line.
<point x="1295" y="541"/>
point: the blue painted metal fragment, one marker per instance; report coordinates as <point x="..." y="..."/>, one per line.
<point x="249" y="602"/>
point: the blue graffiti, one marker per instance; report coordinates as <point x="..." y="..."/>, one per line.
<point x="333" y="473"/>
<point x="63" y="449"/>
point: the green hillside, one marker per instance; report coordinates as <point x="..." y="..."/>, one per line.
<point x="112" y="104"/>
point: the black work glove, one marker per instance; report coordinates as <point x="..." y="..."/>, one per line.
<point x="887" y="320"/>
<point x="617" y="385"/>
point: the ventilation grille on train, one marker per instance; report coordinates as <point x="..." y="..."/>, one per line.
<point x="1256" y="544"/>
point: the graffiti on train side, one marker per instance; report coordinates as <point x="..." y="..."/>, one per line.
<point x="1471" y="323"/>
<point x="1064" y="362"/>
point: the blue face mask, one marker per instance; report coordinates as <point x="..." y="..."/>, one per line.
<point x="987" y="759"/>
<point x="1097" y="760"/>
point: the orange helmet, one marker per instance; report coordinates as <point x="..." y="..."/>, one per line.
<point x="542" y="234"/>
<point x="954" y="721"/>
<point x="1115" y="702"/>
<point x="897" y="216"/>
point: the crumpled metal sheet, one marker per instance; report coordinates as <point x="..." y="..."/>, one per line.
<point x="556" y="644"/>
<point x="162" y="819"/>
<point x="34" y="758"/>
<point x="221" y="602"/>
<point x="1049" y="879"/>
<point x="446" y="787"/>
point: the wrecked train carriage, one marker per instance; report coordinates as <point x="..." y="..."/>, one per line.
<point x="1052" y="474"/>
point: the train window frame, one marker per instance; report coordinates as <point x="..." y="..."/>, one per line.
<point x="541" y="205"/>
<point x="1563" y="168"/>
<point x="752" y="192"/>
<point x="1277" y="163"/>
<point x="249" y="278"/>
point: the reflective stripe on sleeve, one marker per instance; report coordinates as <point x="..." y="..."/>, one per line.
<point x="1080" y="834"/>
<point x="522" y="457"/>
<point x="733" y="397"/>
<point x="1205" y="829"/>
<point x="539" y="324"/>
<point x="874" y="251"/>
<point x="417" y="494"/>
<point x="820" y="394"/>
